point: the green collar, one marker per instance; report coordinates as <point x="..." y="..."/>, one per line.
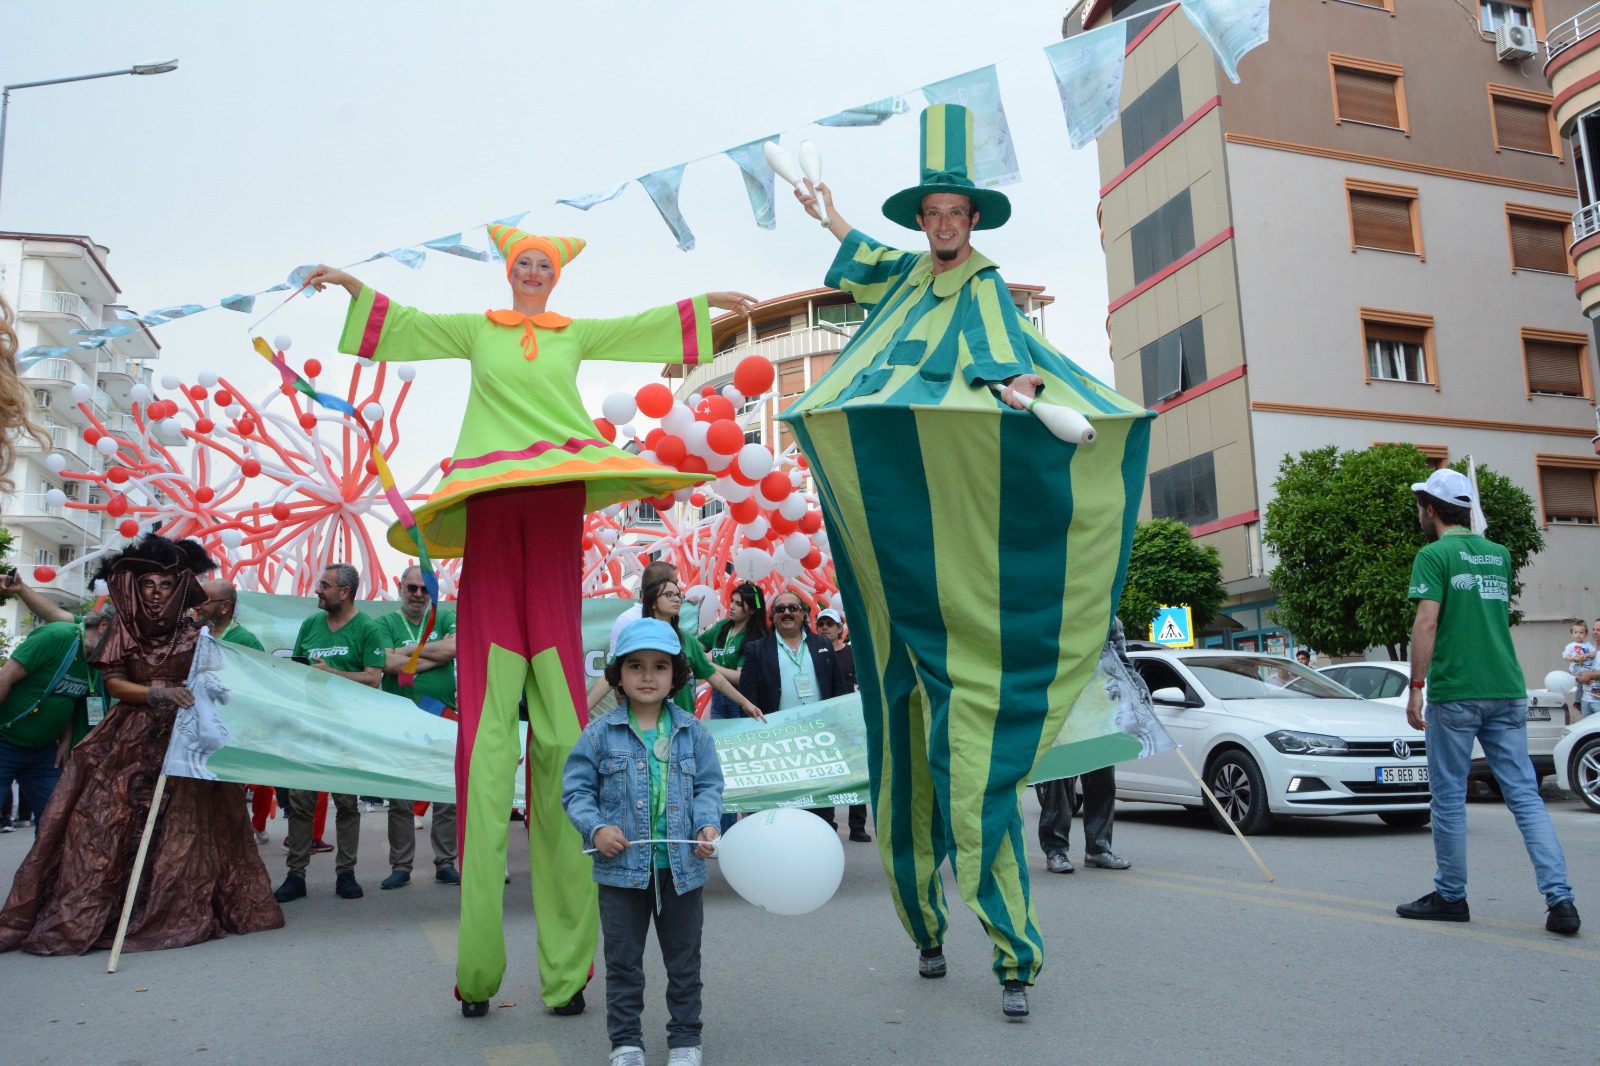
<point x="949" y="282"/>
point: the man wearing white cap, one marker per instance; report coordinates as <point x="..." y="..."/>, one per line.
<point x="830" y="627"/>
<point x="1461" y="651"/>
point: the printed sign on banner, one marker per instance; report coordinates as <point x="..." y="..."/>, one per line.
<point x="1173" y="627"/>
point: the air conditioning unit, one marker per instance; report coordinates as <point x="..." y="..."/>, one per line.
<point x="1513" y="43"/>
<point x="41" y="398"/>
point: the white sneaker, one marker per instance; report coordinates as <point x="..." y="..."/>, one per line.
<point x="262" y="838"/>
<point x="419" y="823"/>
<point x="684" y="1056"/>
<point x="627" y="1055"/>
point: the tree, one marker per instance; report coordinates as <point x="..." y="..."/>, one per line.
<point x="1166" y="567"/>
<point x="1344" y="529"/>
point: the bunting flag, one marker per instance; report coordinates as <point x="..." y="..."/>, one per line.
<point x="594" y="199"/>
<point x="662" y="185"/>
<point x="239" y="301"/>
<point x="1088" y="70"/>
<point x="752" y="163"/>
<point x="451" y="244"/>
<point x="994" y="159"/>
<point x="1231" y="27"/>
<point x="874" y="114"/>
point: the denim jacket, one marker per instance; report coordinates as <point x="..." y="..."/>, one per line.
<point x="607" y="782"/>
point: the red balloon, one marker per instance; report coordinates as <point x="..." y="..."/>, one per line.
<point x="812" y="560"/>
<point x="738" y="475"/>
<point x="702" y="411"/>
<point x="117" y="475"/>
<point x="372" y="468"/>
<point x="662" y="504"/>
<point x="781" y="524"/>
<point x="653" y="438"/>
<point x="671" y="450"/>
<point x="223" y="397"/>
<point x="129" y="528"/>
<point x="693" y="464"/>
<point x="313" y="367"/>
<point x="44" y="574"/>
<point x="607" y="430"/>
<point x="775" y="486"/>
<point x="444" y="466"/>
<point x="744" y="511"/>
<point x="801" y="459"/>
<point x="752" y="376"/>
<point x="204" y="425"/>
<point x="197" y="392"/>
<point x="280" y="511"/>
<point x="588" y="542"/>
<point x="724" y="436"/>
<point x="810" y="522"/>
<point x="91" y="436"/>
<point x="245" y="426"/>
<point x="697" y="499"/>
<point x="708" y="390"/>
<point x="720" y="407"/>
<point x="205" y="494"/>
<point x="117" y="505"/>
<point x="250" y="468"/>
<point x="308" y="421"/>
<point x="654" y="399"/>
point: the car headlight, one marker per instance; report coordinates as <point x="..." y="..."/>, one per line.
<point x="1293" y="742"/>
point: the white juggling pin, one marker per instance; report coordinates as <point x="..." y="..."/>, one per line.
<point x="811" y="167"/>
<point x="781" y="164"/>
<point x="1063" y="422"/>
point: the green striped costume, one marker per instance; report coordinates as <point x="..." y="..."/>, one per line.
<point x="980" y="560"/>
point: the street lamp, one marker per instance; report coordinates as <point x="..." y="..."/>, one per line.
<point x="139" y="70"/>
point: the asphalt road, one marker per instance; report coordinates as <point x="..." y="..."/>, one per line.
<point x="1189" y="957"/>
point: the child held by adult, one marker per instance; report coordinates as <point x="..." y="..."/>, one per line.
<point x="647" y="772"/>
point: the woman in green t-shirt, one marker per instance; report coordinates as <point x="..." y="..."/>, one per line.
<point x="663" y="599"/>
<point x="726" y="640"/>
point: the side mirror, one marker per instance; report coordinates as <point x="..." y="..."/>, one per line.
<point x="1170" y="695"/>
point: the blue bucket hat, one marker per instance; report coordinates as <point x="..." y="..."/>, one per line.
<point x="648" y="634"/>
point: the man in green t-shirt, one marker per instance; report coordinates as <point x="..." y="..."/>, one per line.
<point x="341" y="641"/>
<point x="44" y="690"/>
<point x="434" y="690"/>
<point x="1461" y="652"/>
<point x="216" y="614"/>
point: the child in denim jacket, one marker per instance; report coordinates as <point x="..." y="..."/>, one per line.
<point x="648" y="770"/>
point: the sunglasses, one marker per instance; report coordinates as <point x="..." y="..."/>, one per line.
<point x="410" y="589"/>
<point x="788" y="608"/>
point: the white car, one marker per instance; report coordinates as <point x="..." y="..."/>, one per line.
<point x="1577" y="760"/>
<point x="1273" y="738"/>
<point x="1388" y="681"/>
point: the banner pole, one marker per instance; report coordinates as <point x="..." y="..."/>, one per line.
<point x="1196" y="774"/>
<point x="138" y="868"/>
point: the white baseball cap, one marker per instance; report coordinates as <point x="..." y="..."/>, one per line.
<point x="830" y="614"/>
<point x="1448" y="486"/>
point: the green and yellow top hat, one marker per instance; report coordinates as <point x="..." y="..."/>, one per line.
<point x="946" y="166"/>
<point x="512" y="242"/>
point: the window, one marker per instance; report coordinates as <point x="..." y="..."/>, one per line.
<point x="1156" y="113"/>
<point x="1399" y="347"/>
<point x="1381" y="5"/>
<point x="752" y="436"/>
<point x="44" y="557"/>
<point x="1557" y="363"/>
<point x="730" y="342"/>
<point x="1162" y="237"/>
<point x="1539" y="239"/>
<point x="791" y="382"/>
<point x="1368" y="92"/>
<point x="1158" y="675"/>
<point x="775" y="328"/>
<point x="1492" y="14"/>
<point x="849" y="314"/>
<point x="1186" y="491"/>
<point x="1521" y="120"/>
<point x="1566" y="491"/>
<point x="1384" y="217"/>
<point x="1585" y="143"/>
<point x="1174" y="363"/>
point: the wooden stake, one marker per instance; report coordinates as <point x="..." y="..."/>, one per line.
<point x="1229" y="821"/>
<point x="138" y="869"/>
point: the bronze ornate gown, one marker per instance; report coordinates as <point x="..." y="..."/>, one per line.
<point x="203" y="876"/>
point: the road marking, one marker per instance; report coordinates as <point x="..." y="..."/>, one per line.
<point x="522" y="1055"/>
<point x="442" y="938"/>
<point x="1372" y="911"/>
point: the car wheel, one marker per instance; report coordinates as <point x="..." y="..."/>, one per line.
<point x="1585" y="772"/>
<point x="1237" y="783"/>
<point x="1405" y="819"/>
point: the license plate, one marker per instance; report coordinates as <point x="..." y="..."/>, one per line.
<point x="1402" y="775"/>
<point x="1537" y="713"/>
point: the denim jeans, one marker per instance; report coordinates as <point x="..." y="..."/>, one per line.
<point x="1501" y="726"/>
<point x="35" y="772"/>
<point x="625" y="917"/>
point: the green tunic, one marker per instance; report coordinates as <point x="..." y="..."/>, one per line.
<point x="438" y="683"/>
<point x="30" y="717"/>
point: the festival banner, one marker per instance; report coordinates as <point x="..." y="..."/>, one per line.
<point x="1088" y="70"/>
<point x="1231" y="27"/>
<point x="662" y="185"/>
<point x="752" y="163"/>
<point x="874" y="114"/>
<point x="994" y="158"/>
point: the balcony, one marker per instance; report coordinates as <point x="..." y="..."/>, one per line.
<point x="1584" y="24"/>
<point x="57" y="305"/>
<point x="1586" y="223"/>
<point x="56" y="375"/>
<point x="777" y="348"/>
<point x="67" y="589"/>
<point x="58" y="523"/>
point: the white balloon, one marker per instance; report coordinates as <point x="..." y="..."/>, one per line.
<point x="787" y="565"/>
<point x="786" y="861"/>
<point x="762" y="501"/>
<point x="628" y="431"/>
<point x="55" y="498"/>
<point x="796" y="478"/>
<point x="682" y="495"/>
<point x="232" y="538"/>
<point x="732" y="491"/>
<point x="755" y="461"/>
<point x="282" y="342"/>
<point x="140" y="393"/>
<point x="695" y="439"/>
<point x="649" y="456"/>
<point x="170" y="429"/>
<point x="678" y="420"/>
<point x="733" y="396"/>
<point x="760" y="564"/>
<point x="756" y="529"/>
<point x="1560" y="681"/>
<point x="233" y="410"/>
<point x="101" y="588"/>
<point x="106" y="446"/>
<point x="373" y="412"/>
<point x="170" y="381"/>
<point x="607" y="537"/>
<point x="407" y="372"/>
<point x="207" y="379"/>
<point x="81" y="393"/>
<point x="55" y="463"/>
<point x="367" y="364"/>
<point x="793" y="506"/>
<point x="618" y="408"/>
<point x="797" y="544"/>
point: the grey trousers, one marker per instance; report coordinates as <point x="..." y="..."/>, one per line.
<point x="403" y="834"/>
<point x="1055" y="812"/>
<point x="625" y="915"/>
<point x="301" y="805"/>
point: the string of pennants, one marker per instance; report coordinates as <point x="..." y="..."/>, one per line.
<point x="1088" y="73"/>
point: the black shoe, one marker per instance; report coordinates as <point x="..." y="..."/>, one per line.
<point x="931" y="963"/>
<point x="1058" y="863"/>
<point x="1435" y="908"/>
<point x="1014" y="999"/>
<point x="293" y="887"/>
<point x="572" y="1006"/>
<point x="860" y="836"/>
<point x="396" y="879"/>
<point x="346" y="887"/>
<point x="474" y="1010"/>
<point x="1563" y="918"/>
<point x="447" y="875"/>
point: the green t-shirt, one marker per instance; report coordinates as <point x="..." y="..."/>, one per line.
<point x="658" y="782"/>
<point x="1470" y="578"/>
<point x="438" y="683"/>
<point x="700" y="667"/>
<point x="725" y="647"/>
<point x="40" y="654"/>
<point x="357" y="645"/>
<point x="238" y="634"/>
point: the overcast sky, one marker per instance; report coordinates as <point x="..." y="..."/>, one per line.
<point x="304" y="132"/>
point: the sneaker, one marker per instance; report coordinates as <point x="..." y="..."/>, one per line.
<point x="317" y="846"/>
<point x="627" y="1055"/>
<point x="397" y="879"/>
<point x="575" y="1006"/>
<point x="285" y="843"/>
<point x="1435" y="908"/>
<point x="1563" y="918"/>
<point x="931" y="963"/>
<point x="447" y="875"/>
<point x="684" y="1056"/>
<point x="7" y="827"/>
<point x="293" y="887"/>
<point x="419" y="823"/>
<point x="262" y="838"/>
<point x="345" y="886"/>
<point x="1014" y="999"/>
<point x="1106" y="860"/>
<point x="1058" y="863"/>
<point x="858" y="836"/>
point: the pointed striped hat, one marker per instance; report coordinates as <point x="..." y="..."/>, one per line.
<point x="512" y="242"/>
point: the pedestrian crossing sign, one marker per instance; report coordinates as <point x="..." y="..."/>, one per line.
<point x="1173" y="627"/>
